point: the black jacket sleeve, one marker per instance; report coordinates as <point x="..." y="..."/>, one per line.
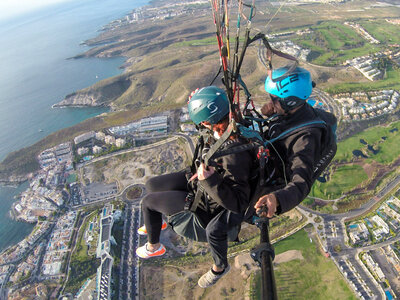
<point x="302" y="150"/>
<point x="231" y="187"/>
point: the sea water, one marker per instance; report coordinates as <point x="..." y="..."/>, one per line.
<point x="35" y="73"/>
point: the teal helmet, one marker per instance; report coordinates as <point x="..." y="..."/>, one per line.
<point x="291" y="88"/>
<point x="208" y="104"/>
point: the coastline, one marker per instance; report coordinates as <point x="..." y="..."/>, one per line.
<point x="14" y="183"/>
<point x="103" y="93"/>
<point x="56" y="105"/>
<point x="9" y="177"/>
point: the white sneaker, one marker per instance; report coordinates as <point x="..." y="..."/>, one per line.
<point x="143" y="252"/>
<point x="209" y="278"/>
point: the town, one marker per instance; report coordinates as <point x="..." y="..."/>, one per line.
<point x="85" y="226"/>
<point x="57" y="191"/>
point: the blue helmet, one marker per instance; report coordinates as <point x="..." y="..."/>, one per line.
<point x="208" y="104"/>
<point x="292" y="88"/>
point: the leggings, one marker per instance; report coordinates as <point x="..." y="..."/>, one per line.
<point x="166" y="196"/>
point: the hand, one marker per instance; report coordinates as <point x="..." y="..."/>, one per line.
<point x="268" y="108"/>
<point x="270" y="202"/>
<point x="203" y="172"/>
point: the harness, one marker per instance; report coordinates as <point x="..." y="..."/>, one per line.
<point x="259" y="145"/>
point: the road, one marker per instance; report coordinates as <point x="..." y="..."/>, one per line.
<point x="335" y="235"/>
<point x="129" y="280"/>
<point x="188" y="140"/>
<point x="142" y="148"/>
<point x="328" y="100"/>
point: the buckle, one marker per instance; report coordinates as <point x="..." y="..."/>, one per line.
<point x="188" y="201"/>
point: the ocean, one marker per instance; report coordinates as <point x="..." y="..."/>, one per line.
<point x="35" y="73"/>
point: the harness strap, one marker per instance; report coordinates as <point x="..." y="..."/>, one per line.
<point x="199" y="147"/>
<point x="236" y="149"/>
<point x="296" y="129"/>
<point x="197" y="198"/>
<point x="250" y="146"/>
<point x="214" y="148"/>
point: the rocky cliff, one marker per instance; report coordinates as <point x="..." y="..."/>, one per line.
<point x="102" y="93"/>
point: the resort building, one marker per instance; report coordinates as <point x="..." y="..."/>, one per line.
<point x="120" y="143"/>
<point x="103" y="279"/>
<point x="109" y="139"/>
<point x="84" y="137"/>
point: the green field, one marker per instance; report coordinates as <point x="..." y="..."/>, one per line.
<point x="391" y="81"/>
<point x="333" y="43"/>
<point x="315" y="277"/>
<point x="381" y="30"/>
<point x="383" y="139"/>
<point x="343" y="180"/>
<point x="388" y="148"/>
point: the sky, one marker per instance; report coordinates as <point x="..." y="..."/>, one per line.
<point x="12" y="8"/>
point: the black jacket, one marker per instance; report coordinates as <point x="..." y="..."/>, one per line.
<point x="299" y="152"/>
<point x="229" y="187"/>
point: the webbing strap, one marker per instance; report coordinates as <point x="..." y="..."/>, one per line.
<point x="236" y="149"/>
<point x="250" y="146"/>
<point x="197" y="198"/>
<point x="295" y="130"/>
<point x="214" y="148"/>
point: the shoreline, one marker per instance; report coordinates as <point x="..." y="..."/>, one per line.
<point x="12" y="183"/>
<point x="56" y="105"/>
<point x="8" y="179"/>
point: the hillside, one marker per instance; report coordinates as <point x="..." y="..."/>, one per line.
<point x="167" y="59"/>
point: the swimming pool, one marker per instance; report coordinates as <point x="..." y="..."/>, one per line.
<point x="388" y="295"/>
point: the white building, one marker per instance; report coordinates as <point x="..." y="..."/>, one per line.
<point x="52" y="269"/>
<point x="100" y="136"/>
<point x="358" y="232"/>
<point x="159" y="124"/>
<point x="84" y="137"/>
<point x="103" y="251"/>
<point x="188" y="127"/>
<point x="291" y="48"/>
<point x="381" y="223"/>
<point x="109" y="139"/>
<point x="82" y="151"/>
<point x="120" y="142"/>
<point x="373" y="266"/>
<point x="97" y="150"/>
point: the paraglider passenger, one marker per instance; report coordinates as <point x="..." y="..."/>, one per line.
<point x="222" y="189"/>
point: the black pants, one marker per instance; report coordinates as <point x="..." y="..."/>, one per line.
<point x="166" y="195"/>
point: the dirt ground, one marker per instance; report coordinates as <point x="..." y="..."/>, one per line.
<point x="288" y="256"/>
<point x="370" y="168"/>
<point x="180" y="282"/>
<point x="137" y="167"/>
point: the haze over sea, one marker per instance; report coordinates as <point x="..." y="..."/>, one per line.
<point x="35" y="74"/>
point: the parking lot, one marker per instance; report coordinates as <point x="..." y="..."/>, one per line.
<point x="98" y="191"/>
